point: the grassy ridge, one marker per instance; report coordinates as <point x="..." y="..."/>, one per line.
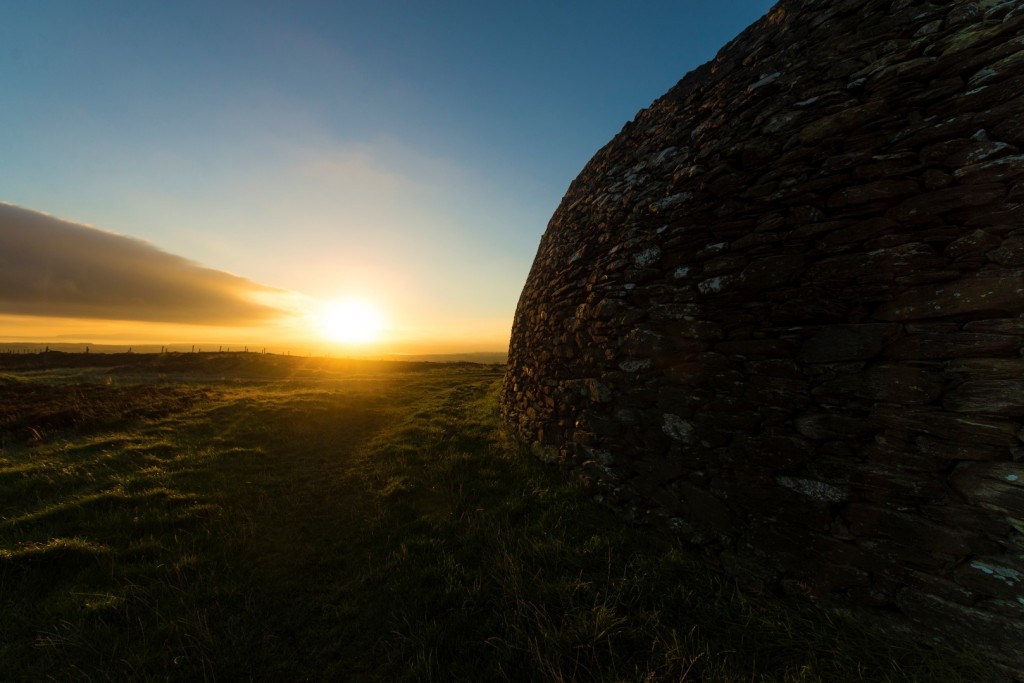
<point x="362" y="526"/>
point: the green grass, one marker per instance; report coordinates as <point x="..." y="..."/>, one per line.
<point x="353" y="525"/>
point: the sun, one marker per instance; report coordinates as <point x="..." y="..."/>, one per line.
<point x="350" y="321"/>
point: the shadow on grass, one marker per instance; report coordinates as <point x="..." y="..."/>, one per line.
<point x="377" y="527"/>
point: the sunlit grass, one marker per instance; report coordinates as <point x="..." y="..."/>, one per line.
<point x="356" y="525"/>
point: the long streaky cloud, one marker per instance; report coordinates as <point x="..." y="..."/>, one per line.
<point x="56" y="268"/>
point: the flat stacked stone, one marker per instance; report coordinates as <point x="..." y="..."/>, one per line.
<point x="783" y="313"/>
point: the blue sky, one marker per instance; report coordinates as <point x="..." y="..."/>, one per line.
<point x="407" y="152"/>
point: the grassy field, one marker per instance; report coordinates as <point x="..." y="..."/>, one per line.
<point x="237" y="517"/>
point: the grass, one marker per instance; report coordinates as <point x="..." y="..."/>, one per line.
<point x="358" y="523"/>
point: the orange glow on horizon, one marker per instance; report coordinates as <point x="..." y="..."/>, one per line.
<point x="299" y="333"/>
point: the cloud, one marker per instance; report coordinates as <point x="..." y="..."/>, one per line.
<point x="55" y="268"/>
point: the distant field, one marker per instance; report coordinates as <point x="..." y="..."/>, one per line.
<point x="246" y="517"/>
<point x="27" y="348"/>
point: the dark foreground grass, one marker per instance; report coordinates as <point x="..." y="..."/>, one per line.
<point x="355" y="527"/>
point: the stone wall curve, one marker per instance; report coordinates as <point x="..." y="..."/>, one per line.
<point x="782" y="311"/>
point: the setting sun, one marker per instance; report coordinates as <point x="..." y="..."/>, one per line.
<point x="351" y="321"/>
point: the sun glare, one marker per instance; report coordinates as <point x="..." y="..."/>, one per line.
<point x="352" y="321"/>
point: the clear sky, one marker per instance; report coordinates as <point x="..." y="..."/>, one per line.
<point x="405" y="154"/>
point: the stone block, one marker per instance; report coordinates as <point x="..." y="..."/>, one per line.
<point x="881" y="190"/>
<point x="987" y="397"/>
<point x="729" y="263"/>
<point x="948" y="199"/>
<point x="911" y="531"/>
<point x="828" y="426"/>
<point x="1010" y="253"/>
<point x="975" y="243"/>
<point x="702" y="330"/>
<point x="901" y="384"/>
<point x="943" y="450"/>
<point x="774" y="367"/>
<point x="990" y="217"/>
<point x="783" y="393"/>
<point x="987" y="523"/>
<point x="598" y="391"/>
<point x="1014" y="326"/>
<point x="858" y="231"/>
<point x="994" y="485"/>
<point x="815" y="489"/>
<point x="770" y="272"/>
<point x="643" y="343"/>
<point x="840" y="343"/>
<point x="896" y="450"/>
<point x="882" y="481"/>
<point x="763" y="348"/>
<point x="1002" y="634"/>
<point x="997" y="577"/>
<point x="882" y="264"/>
<point x="888" y="558"/>
<point x="937" y="346"/>
<point x="808" y="305"/>
<point x="997" y="170"/>
<point x="842" y="122"/>
<point x="904" y="578"/>
<point x="598" y="423"/>
<point x="773" y="452"/>
<point x="964" y="297"/>
<point x="947" y="426"/>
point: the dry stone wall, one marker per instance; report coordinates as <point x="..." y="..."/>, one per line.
<point x="783" y="312"/>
